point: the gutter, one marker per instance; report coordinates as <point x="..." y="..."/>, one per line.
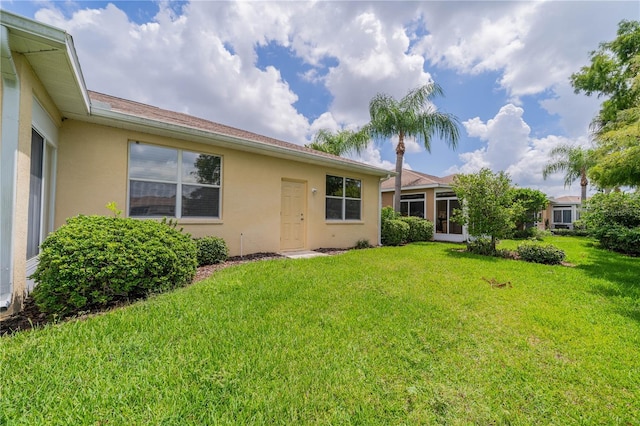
<point x="8" y="154"/>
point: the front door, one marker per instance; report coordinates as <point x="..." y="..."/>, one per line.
<point x="292" y="215"/>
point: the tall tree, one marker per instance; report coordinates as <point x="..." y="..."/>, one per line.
<point x="572" y="160"/>
<point x="341" y="142"/>
<point x="614" y="73"/>
<point x="412" y="116"/>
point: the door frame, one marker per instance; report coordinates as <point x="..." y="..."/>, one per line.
<point x="304" y="214"/>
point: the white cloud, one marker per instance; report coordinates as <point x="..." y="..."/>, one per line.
<point x="510" y="147"/>
<point x="181" y="63"/>
<point x="371" y="155"/>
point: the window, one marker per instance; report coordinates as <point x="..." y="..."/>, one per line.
<point x="446" y="203"/>
<point x="562" y="215"/>
<point x="343" y="198"/>
<point x="172" y="182"/>
<point x="413" y="205"/>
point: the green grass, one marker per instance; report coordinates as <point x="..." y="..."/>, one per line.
<point x="405" y="335"/>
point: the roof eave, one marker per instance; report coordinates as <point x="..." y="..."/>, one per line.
<point x="411" y="188"/>
<point x="59" y="40"/>
<point x="117" y="119"/>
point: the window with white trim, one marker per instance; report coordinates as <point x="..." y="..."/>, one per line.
<point x="413" y="205"/>
<point x="562" y="215"/>
<point x="173" y="182"/>
<point x="343" y="198"/>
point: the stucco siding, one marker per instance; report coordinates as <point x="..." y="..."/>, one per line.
<point x="93" y="168"/>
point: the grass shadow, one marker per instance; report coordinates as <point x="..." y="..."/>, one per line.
<point x="621" y="271"/>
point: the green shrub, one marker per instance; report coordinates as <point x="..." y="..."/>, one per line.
<point x="394" y="232"/>
<point x="363" y="244"/>
<point x="94" y="261"/>
<point x="547" y="254"/>
<point x="614" y="219"/>
<point x="388" y="213"/>
<point x="570" y="232"/>
<point x="211" y="250"/>
<point x="621" y="239"/>
<point x="481" y="246"/>
<point x="419" y="229"/>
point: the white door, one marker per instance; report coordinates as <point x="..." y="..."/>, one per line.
<point x="292" y="216"/>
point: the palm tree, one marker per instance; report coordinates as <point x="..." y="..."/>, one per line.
<point x="341" y="142"/>
<point x="574" y="161"/>
<point x="412" y="116"/>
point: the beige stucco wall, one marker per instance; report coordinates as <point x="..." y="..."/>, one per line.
<point x="92" y="171"/>
<point x="30" y="87"/>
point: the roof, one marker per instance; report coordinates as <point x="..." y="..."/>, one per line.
<point x="412" y="179"/>
<point x="51" y="54"/>
<point x="567" y="199"/>
<point x="117" y="112"/>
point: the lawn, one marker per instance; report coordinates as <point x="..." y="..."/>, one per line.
<point x="404" y="335"/>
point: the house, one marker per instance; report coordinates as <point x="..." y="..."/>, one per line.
<point x="67" y="151"/>
<point x="562" y="212"/>
<point x="429" y="197"/>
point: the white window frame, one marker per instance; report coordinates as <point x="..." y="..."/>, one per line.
<point x="562" y="209"/>
<point x="343" y="198"/>
<point x="416" y="200"/>
<point x="43" y="124"/>
<point x="448" y="199"/>
<point x="178" y="182"/>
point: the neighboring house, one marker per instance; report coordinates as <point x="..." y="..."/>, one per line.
<point x="561" y="212"/>
<point x="67" y="151"/>
<point x="429" y="197"/>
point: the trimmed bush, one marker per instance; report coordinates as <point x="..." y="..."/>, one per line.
<point x="481" y="246"/>
<point x="388" y="213"/>
<point x="570" y="232"/>
<point x="94" y="261"/>
<point x="614" y="219"/>
<point x="419" y="229"/>
<point x="547" y="254"/>
<point x="394" y="232"/>
<point x="621" y="239"/>
<point x="363" y="244"/>
<point x="211" y="250"/>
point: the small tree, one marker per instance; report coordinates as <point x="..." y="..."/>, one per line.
<point x="487" y="204"/>
<point x="532" y="202"/>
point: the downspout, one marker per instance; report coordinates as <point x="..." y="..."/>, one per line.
<point x="382" y="179"/>
<point x="8" y="156"/>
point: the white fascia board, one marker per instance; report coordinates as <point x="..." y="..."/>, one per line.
<point x="34" y="28"/>
<point x="74" y="64"/>
<point x="116" y="119"/>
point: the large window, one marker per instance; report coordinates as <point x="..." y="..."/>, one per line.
<point x="562" y="215"/>
<point x="172" y="182"/>
<point x="413" y="205"/>
<point x="344" y="198"/>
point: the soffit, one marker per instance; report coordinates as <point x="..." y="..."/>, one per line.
<point x="52" y="57"/>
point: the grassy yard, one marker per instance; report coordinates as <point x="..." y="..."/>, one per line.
<point x="407" y="335"/>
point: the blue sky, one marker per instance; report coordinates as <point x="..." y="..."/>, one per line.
<point x="287" y="69"/>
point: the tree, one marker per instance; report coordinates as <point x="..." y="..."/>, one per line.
<point x="615" y="73"/>
<point x="487" y="204"/>
<point x="532" y="202"/>
<point x="341" y="142"/>
<point x="574" y="161"/>
<point x="611" y="73"/>
<point x="412" y="116"/>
